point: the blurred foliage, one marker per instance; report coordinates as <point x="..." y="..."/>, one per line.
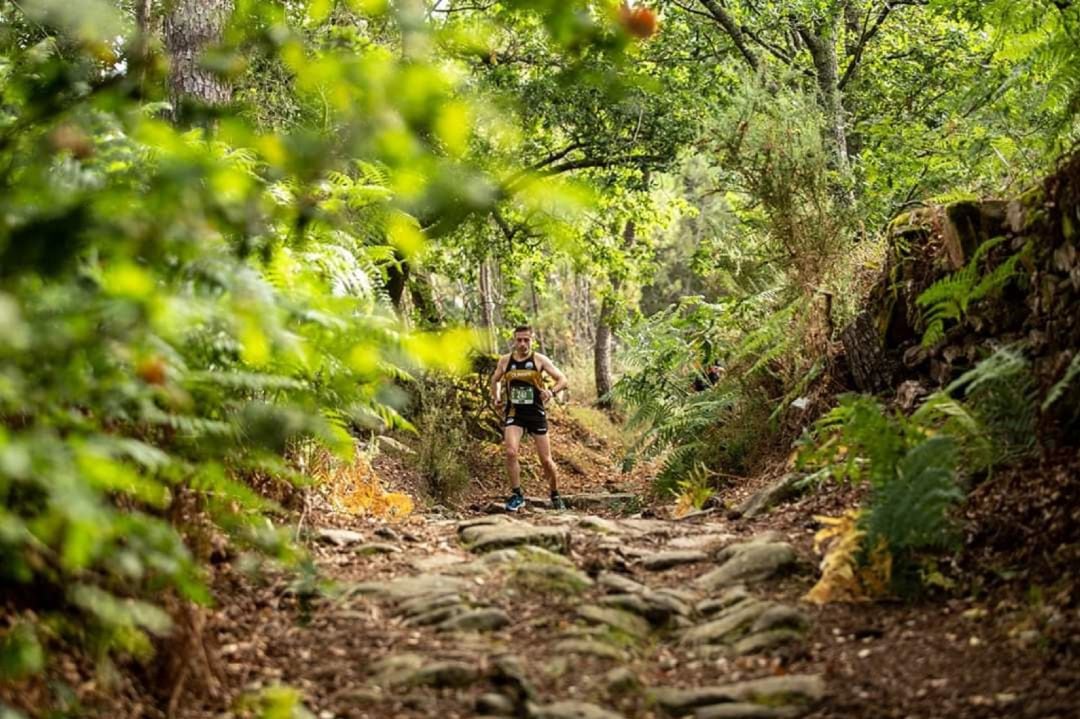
<point x="181" y="304"/>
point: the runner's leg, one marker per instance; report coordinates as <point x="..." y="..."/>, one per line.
<point x="512" y="443"/>
<point x="543" y="448"/>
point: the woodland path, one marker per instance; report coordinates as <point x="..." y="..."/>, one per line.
<point x="592" y="612"/>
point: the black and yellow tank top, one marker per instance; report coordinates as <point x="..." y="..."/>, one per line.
<point x="523" y="383"/>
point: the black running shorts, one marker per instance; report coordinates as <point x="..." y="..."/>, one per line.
<point x="531" y="423"/>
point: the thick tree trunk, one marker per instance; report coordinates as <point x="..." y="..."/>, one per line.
<point x="191" y="27"/>
<point x="865" y="351"/>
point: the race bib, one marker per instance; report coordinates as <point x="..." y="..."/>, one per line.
<point x="521" y="394"/>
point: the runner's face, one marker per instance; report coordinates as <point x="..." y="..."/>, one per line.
<point x="522" y="343"/>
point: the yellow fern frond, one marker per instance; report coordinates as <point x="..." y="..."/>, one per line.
<point x="842" y="576"/>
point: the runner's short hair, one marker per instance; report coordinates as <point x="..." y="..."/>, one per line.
<point x="523" y="328"/>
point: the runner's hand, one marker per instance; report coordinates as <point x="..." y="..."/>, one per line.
<point x="549" y="395"/>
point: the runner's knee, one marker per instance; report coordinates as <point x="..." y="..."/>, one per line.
<point x="512" y="452"/>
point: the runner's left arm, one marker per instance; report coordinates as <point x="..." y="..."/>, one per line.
<point x="548" y="366"/>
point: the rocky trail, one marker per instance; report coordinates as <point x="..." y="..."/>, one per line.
<point x="612" y="608"/>
<point x="541" y="614"/>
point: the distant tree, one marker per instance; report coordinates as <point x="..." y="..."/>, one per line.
<point x="191" y="27"/>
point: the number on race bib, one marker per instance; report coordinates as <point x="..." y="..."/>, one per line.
<point x="521" y="395"/>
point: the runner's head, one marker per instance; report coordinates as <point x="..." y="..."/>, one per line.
<point x="522" y="339"/>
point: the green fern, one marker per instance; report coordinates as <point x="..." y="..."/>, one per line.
<point x="1058" y="390"/>
<point x="949" y="299"/>
<point x="910" y="511"/>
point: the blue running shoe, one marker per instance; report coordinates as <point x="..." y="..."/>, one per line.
<point x="516" y="501"/>
<point x="557" y="502"/>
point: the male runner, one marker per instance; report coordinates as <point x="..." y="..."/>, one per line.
<point x="522" y="372"/>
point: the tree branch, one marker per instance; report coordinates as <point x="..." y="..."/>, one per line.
<point x="540" y="164"/>
<point x="590" y="162"/>
<point x="585" y="163"/>
<point x="692" y="11"/>
<point x="868" y="34"/>
<point x="721" y="16"/>
<point x="773" y="50"/>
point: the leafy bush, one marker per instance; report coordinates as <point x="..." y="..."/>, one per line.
<point x="442" y="442"/>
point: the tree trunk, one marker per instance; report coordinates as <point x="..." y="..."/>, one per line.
<point x="863" y="346"/>
<point x="487" y="303"/>
<point x="605" y="329"/>
<point x="822" y="45"/>
<point x="602" y="354"/>
<point x="397" y="279"/>
<point x="535" y="301"/>
<point x="191" y="27"/>
<point x="424" y="300"/>
<point x="143" y="33"/>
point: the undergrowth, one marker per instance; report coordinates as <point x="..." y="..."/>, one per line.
<point x="918" y="468"/>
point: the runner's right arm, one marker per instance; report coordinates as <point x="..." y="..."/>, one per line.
<point x="496" y="379"/>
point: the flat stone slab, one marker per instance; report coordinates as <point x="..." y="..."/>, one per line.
<point x="748" y="562"/>
<point x="770" y="691"/>
<point x="704" y="542"/>
<point x="601" y="500"/>
<point x="570" y="710"/>
<point x="590" y="647"/>
<point x="660" y="561"/>
<point x="485" y="537"/>
<point x="338" y="537"/>
<point x="476" y="620"/>
<point x="408" y="587"/>
<point x="727" y="625"/>
<point x="624" y="621"/>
